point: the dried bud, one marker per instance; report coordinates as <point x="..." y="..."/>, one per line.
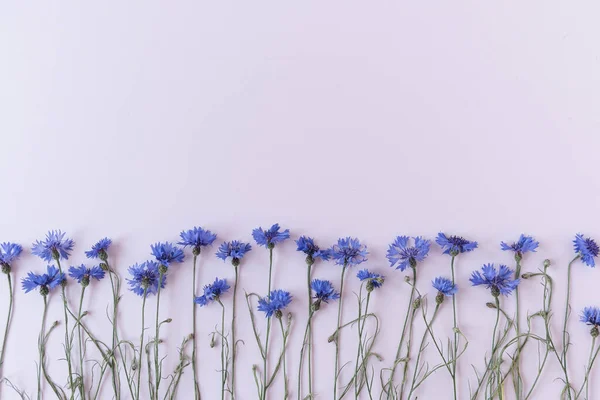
<point x="407" y="279"/>
<point x="278" y="314"/>
<point x="526" y="275"/>
<point x="332" y="338"/>
<point x="370" y="286"/>
<point x="212" y="341"/>
<point x="168" y="320"/>
<point x="490" y="305"/>
<point x="455" y="330"/>
<point x="134" y="364"/>
<point x="104" y="266"/>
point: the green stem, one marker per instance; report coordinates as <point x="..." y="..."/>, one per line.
<point x="414" y="386"/>
<point x="517" y="366"/>
<point x="493" y="355"/>
<point x="337" y="332"/>
<point x="455" y="329"/>
<point x="265" y="358"/>
<point x="139" y="364"/>
<point x="157" y="369"/>
<point x="588" y="369"/>
<point x="233" y="336"/>
<point x="389" y="387"/>
<point x="360" y="355"/>
<point x="223" y="368"/>
<point x="115" y="287"/>
<point x="285" y="378"/>
<point x="41" y="345"/>
<point x="194" y="367"/>
<point x="564" y="333"/>
<point x="80" y="342"/>
<point x="304" y="346"/>
<point x="270" y="268"/>
<point x="308" y="335"/>
<point x="8" y="321"/>
<point x="67" y="345"/>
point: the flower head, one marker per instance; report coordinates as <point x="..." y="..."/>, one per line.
<point x="145" y="277"/>
<point x="46" y="282"/>
<point x="401" y="255"/>
<point x="276" y="301"/>
<point x="9" y="252"/>
<point x="587" y="249"/>
<point x="454" y="245"/>
<point x="374" y="280"/>
<point x="269" y="238"/>
<point x="444" y="286"/>
<point x="212" y="292"/>
<point x="167" y="253"/>
<point x="99" y="249"/>
<point x="54" y="247"/>
<point x="197" y="238"/>
<point x="323" y="290"/>
<point x="83" y="274"/>
<point x="591" y="316"/>
<point x="235" y="249"/>
<point x="499" y="281"/>
<point x="313" y="252"/>
<point x="521" y="246"/>
<point x="348" y="251"/>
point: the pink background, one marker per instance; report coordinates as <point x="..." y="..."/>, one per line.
<point x="139" y="119"/>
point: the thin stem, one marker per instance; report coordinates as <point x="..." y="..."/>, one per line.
<point x="233" y="336"/>
<point x="139" y="364"/>
<point x="41" y="345"/>
<point x="337" y="332"/>
<point x="270" y="268"/>
<point x="455" y="329"/>
<point x="265" y="358"/>
<point x="285" y="379"/>
<point x="389" y="387"/>
<point x="67" y="345"/>
<point x="361" y="351"/>
<point x="223" y="368"/>
<point x="564" y="333"/>
<point x="408" y="347"/>
<point x="115" y="287"/>
<point x="157" y="372"/>
<point x="414" y="386"/>
<point x="493" y="354"/>
<point x="80" y="342"/>
<point x="194" y="367"/>
<point x="308" y="334"/>
<point x="8" y="321"/>
<point x="304" y="346"/>
<point x="517" y="365"/>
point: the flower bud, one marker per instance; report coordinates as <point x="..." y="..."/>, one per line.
<point x="102" y="255"/>
<point x="407" y="279"/>
<point x="332" y="338"/>
<point x="490" y="305"/>
<point x="212" y="341"/>
<point x="168" y="320"/>
<point x="278" y="314"/>
<point x="134" y="364"/>
<point x="370" y="286"/>
<point x="547" y="263"/>
<point x="417" y="303"/>
<point x="526" y="275"/>
<point x="5" y="268"/>
<point x="439" y="298"/>
<point x="104" y="266"/>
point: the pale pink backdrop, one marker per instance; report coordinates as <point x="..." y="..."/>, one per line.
<point x="139" y="119"/>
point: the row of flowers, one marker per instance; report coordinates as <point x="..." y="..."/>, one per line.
<point x="122" y="360"/>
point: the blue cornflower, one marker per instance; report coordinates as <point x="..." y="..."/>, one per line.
<point x="499" y="281"/>
<point x="268" y="238"/>
<point x="167" y="253"/>
<point x="46" y="282"/>
<point x="235" y="249"/>
<point x="587" y="249"/>
<point x="197" y="238"/>
<point x="54" y="247"/>
<point x="374" y="280"/>
<point x="324" y="290"/>
<point x="99" y="249"/>
<point x="9" y="252"/>
<point x="83" y="274"/>
<point x="591" y="316"/>
<point x="404" y="255"/>
<point x="444" y="286"/>
<point x="313" y="252"/>
<point x="521" y="246"/>
<point x="276" y="301"/>
<point x="348" y="252"/>
<point x="212" y="292"/>
<point x="145" y="276"/>
<point x="454" y="245"/>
